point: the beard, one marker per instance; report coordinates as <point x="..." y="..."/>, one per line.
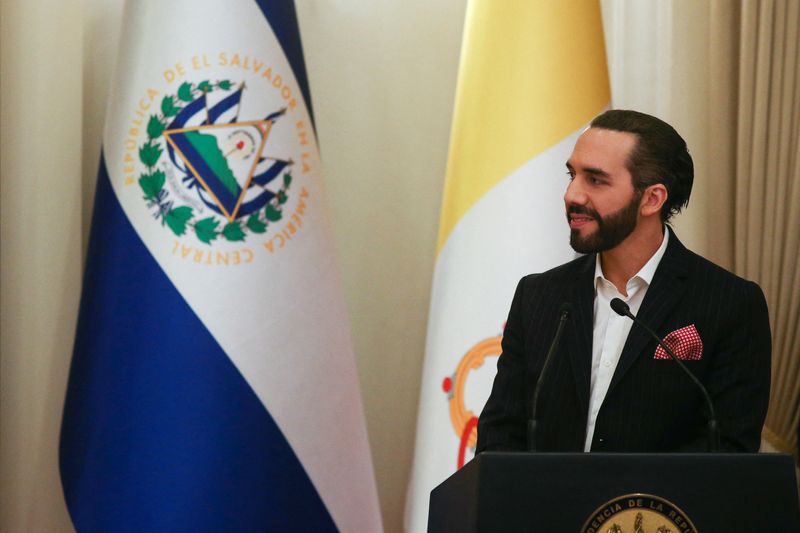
<point x="611" y="229"/>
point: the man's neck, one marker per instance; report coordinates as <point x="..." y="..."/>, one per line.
<point x="623" y="262"/>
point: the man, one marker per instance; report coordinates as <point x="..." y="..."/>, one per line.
<point x="609" y="387"/>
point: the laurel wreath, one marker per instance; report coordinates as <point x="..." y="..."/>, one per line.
<point x="180" y="219"/>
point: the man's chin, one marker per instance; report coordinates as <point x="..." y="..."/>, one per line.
<point x="583" y="245"/>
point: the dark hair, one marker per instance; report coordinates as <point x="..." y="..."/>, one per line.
<point x="660" y="156"/>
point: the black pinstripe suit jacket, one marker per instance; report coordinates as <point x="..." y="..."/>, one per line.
<point x="651" y="405"/>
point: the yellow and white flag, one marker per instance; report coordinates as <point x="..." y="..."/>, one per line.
<point x="532" y="75"/>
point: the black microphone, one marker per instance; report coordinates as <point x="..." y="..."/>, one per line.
<point x="622" y="309"/>
<point x="564" y="312"/>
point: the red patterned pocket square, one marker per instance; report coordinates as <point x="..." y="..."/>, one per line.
<point x="685" y="342"/>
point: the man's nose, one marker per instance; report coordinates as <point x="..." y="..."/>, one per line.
<point x="574" y="193"/>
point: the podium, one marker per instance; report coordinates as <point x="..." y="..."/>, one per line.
<point x="602" y="493"/>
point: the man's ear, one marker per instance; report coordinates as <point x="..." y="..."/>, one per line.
<point x="653" y="200"/>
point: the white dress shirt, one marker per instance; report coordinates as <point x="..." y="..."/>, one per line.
<point x="610" y="331"/>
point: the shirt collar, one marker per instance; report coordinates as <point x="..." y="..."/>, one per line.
<point x="647" y="272"/>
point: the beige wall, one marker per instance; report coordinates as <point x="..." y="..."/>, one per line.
<point x="382" y="80"/>
<point x="40" y="232"/>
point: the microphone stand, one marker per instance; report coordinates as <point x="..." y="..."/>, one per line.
<point x="622" y="309"/>
<point x="564" y="311"/>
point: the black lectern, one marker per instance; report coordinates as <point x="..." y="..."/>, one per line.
<point x="618" y="493"/>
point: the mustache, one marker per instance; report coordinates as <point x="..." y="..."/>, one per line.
<point x="574" y="209"/>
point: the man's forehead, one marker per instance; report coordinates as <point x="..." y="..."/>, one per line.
<point x="599" y="147"/>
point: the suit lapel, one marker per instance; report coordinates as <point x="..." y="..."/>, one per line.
<point x="664" y="293"/>
<point x="579" y="332"/>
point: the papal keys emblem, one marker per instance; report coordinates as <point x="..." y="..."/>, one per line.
<point x="464" y="421"/>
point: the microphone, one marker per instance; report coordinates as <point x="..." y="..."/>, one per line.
<point x="564" y="311"/>
<point x="622" y="309"/>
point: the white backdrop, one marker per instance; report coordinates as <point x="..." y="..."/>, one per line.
<point x="382" y="78"/>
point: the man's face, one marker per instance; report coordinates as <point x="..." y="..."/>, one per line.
<point x="601" y="204"/>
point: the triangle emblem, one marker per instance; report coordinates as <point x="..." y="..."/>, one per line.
<point x="222" y="157"/>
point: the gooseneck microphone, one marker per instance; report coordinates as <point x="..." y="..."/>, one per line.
<point x="564" y="312"/>
<point x="622" y="309"/>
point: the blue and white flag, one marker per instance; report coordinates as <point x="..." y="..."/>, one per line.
<point x="213" y="385"/>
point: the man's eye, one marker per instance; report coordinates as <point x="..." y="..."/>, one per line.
<point x="571" y="175"/>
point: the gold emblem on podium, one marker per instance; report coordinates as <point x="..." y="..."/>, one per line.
<point x="638" y="513"/>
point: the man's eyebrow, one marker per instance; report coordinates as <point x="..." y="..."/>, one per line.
<point x="596" y="171"/>
<point x="590" y="170"/>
